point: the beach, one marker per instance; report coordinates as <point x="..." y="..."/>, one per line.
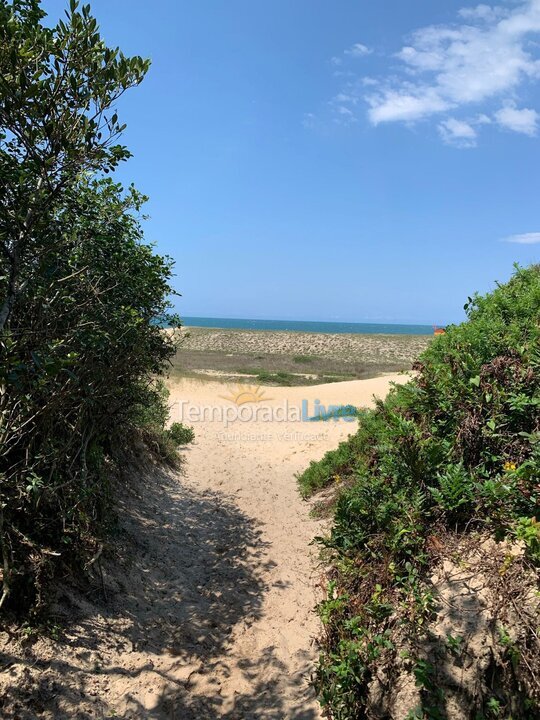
<point x="292" y="358"/>
<point x="269" y="361"/>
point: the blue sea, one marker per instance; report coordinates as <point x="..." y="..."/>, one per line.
<point x="309" y="326"/>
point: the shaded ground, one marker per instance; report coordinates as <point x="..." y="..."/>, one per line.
<point x="192" y="567"/>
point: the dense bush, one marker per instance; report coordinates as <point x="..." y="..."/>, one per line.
<point x="456" y="448"/>
<point x="79" y="294"/>
<point x="180" y="434"/>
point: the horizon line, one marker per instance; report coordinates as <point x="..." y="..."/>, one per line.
<point x="334" y="321"/>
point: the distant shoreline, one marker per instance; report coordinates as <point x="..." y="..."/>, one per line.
<point x="307" y="326"/>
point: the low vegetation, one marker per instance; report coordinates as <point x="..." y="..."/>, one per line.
<point x="286" y="379"/>
<point x="180" y="434"/>
<point x="295" y="358"/>
<point x="303" y="359"/>
<point x="445" y="465"/>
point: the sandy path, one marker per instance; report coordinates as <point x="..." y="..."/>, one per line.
<point x="209" y="613"/>
<point x="270" y="654"/>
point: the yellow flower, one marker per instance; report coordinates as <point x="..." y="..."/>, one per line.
<point x="509" y="466"/>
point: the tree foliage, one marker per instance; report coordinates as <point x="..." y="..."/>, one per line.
<point x="80" y="293"/>
<point x="58" y="87"/>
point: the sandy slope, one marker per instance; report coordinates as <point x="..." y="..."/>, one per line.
<point x="210" y="612"/>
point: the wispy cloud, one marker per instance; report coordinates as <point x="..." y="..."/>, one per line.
<point x="458" y="132"/>
<point x="481" y="12"/>
<point x="475" y="66"/>
<point x="344" y="116"/>
<point x="532" y="238"/>
<point x="358" y="50"/>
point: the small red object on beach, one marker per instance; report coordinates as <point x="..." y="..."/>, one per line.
<point x="438" y="330"/>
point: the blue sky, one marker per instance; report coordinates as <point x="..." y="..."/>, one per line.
<point x="334" y="160"/>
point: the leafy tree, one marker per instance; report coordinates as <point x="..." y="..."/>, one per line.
<point x="80" y="295"/>
<point x="58" y="87"/>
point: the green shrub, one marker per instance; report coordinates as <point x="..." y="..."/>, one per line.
<point x="455" y="449"/>
<point x="528" y="530"/>
<point x="454" y="492"/>
<point x="278" y="378"/>
<point x="181" y="434"/>
<point x="335" y="464"/>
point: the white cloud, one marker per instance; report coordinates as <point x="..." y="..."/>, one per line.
<point x="358" y="50"/>
<point x="466" y="76"/>
<point x="484" y="58"/>
<point x="532" y="238"/>
<point x="405" y="105"/>
<point x="481" y="12"/>
<point x="355" y="51"/>
<point x="458" y="132"/>
<point x="522" y="121"/>
<point x="482" y="119"/>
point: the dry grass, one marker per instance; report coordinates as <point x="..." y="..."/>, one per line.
<point x="293" y="358"/>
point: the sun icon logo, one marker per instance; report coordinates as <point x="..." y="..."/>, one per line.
<point x="244" y="394"/>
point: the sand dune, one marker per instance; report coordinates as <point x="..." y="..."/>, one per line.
<point x="405" y="348"/>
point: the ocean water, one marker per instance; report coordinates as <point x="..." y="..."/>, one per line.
<point x="308" y="326"/>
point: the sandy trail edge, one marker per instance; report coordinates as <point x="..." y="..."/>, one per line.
<point x="209" y="614"/>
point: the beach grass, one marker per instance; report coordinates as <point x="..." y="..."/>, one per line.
<point x="292" y="358"/>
